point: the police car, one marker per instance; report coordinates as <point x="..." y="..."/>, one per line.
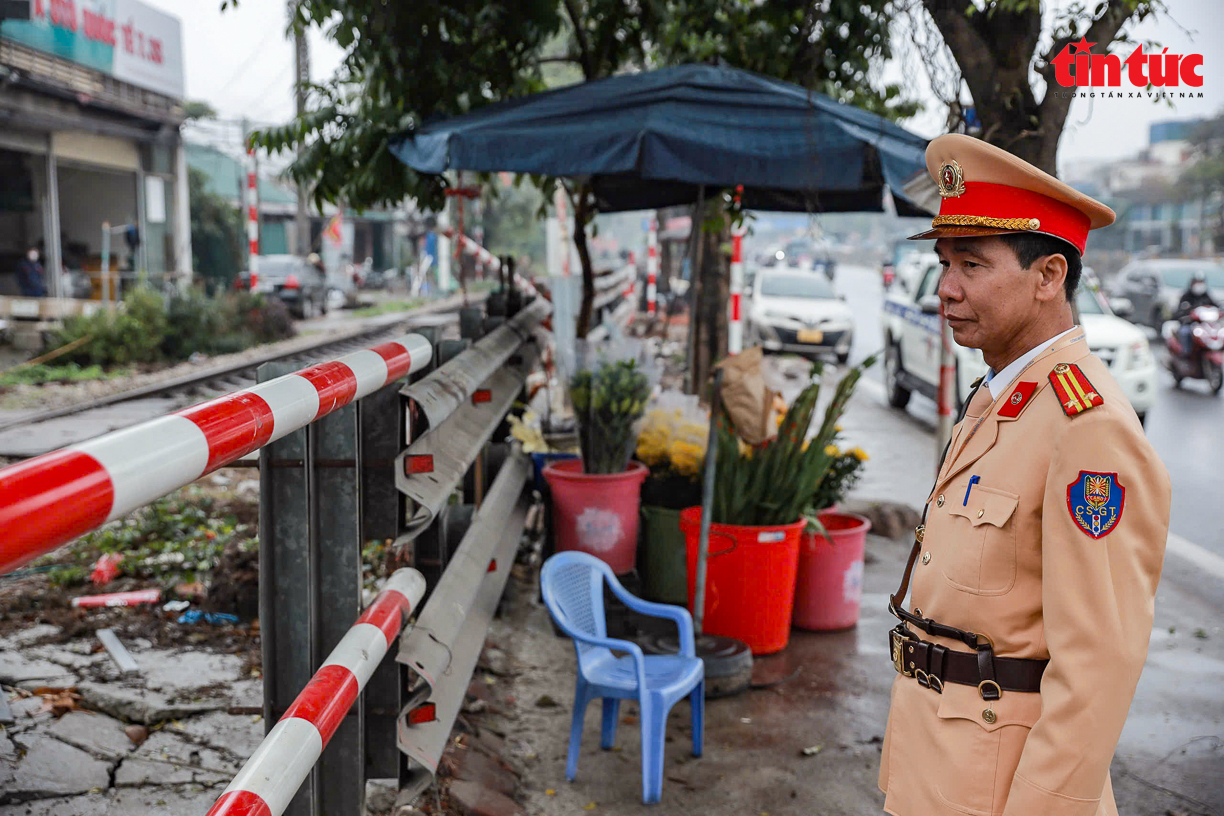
<point x="912" y="342"/>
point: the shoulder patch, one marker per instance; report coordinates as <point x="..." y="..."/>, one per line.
<point x="1095" y="501"/>
<point x="1075" y="393"/>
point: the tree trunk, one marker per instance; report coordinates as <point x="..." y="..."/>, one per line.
<point x="582" y="208"/>
<point x="995" y="52"/>
<point x="708" y="321"/>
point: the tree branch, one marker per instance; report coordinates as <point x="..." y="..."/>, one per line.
<point x="584" y="46"/>
<point x="1102" y="31"/>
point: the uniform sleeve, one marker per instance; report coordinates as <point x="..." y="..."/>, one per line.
<point x="1097" y="599"/>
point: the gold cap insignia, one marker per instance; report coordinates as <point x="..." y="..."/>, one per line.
<point x="951" y="179"/>
<point x="1061" y="368"/>
<point x="1017" y="399"/>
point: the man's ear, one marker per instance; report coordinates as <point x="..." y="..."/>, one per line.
<point x="1053" y="271"/>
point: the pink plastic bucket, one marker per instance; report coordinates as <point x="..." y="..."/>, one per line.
<point x="829" y="586"/>
<point x="597" y="513"/>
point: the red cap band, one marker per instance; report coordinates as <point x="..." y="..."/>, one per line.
<point x="989" y="200"/>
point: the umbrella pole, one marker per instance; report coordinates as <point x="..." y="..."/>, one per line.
<point x="707" y="508"/>
<point x="695" y="237"/>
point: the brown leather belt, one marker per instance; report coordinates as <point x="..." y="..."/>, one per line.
<point x="932" y="665"/>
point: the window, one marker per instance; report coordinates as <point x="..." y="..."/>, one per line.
<point x="795" y="286"/>
<point x="930" y="283"/>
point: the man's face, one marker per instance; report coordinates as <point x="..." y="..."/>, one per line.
<point x="987" y="297"/>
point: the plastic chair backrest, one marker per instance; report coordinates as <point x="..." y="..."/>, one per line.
<point x="573" y="591"/>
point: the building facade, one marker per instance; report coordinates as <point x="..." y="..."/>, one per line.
<point x="90" y="110"/>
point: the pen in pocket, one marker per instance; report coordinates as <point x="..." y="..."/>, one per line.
<point x="972" y="481"/>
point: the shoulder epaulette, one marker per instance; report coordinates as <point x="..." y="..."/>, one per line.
<point x="1075" y="393"/>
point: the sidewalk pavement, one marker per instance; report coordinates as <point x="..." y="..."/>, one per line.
<point x="1168" y="760"/>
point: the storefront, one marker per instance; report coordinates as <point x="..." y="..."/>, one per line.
<point x="90" y="109"/>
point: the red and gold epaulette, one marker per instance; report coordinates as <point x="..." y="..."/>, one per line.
<point x="1075" y="393"/>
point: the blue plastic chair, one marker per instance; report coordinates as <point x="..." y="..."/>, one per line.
<point x="572" y="583"/>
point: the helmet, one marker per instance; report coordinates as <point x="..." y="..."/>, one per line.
<point x="1198" y="277"/>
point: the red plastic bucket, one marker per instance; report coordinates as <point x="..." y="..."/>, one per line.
<point x="829" y="588"/>
<point x="750" y="580"/>
<point x="597" y="513"/>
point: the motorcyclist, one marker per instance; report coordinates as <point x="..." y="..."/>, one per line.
<point x="1196" y="295"/>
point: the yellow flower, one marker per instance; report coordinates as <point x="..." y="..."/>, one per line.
<point x="831" y="451"/>
<point x="837" y="428"/>
<point x="686" y="458"/>
<point x="859" y="454"/>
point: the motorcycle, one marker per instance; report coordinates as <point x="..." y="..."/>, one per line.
<point x="1204" y="359"/>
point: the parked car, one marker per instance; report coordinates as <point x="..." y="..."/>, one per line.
<point x="1154" y="286"/>
<point x="798" y="312"/>
<point x="912" y="345"/>
<point x="297" y="283"/>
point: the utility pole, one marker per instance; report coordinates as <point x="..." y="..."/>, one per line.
<point x="302" y="72"/>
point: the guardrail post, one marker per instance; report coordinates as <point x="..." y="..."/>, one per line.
<point x="285" y="576"/>
<point x="310" y="587"/>
<point x="381" y="421"/>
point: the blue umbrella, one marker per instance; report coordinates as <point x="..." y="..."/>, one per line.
<point x="652" y="139"/>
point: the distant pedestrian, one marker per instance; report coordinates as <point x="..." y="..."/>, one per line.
<point x="30" y="275"/>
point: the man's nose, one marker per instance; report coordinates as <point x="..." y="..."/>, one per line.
<point x="948" y="288"/>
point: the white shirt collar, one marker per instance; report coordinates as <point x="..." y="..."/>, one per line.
<point x="999" y="383"/>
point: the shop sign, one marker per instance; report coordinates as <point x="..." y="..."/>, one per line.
<point x="126" y="39"/>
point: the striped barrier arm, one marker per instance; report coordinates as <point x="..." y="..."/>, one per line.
<point x="280" y="764"/>
<point x="51" y="499"/>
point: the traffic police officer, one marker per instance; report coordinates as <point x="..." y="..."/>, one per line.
<point x="1034" y="572"/>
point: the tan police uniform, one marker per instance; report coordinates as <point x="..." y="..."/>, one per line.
<point x="1034" y="574"/>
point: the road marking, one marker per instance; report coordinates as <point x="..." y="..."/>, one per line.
<point x="1199" y="556"/>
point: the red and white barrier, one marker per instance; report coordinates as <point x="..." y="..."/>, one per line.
<point x="652" y="265"/>
<point x="252" y="219"/>
<point x="735" y="327"/>
<point x="58" y="496"/>
<point x="280" y="764"/>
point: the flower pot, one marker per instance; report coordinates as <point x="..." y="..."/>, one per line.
<point x="597" y="513"/>
<point x="664" y="574"/>
<point x="829" y="586"/>
<point x="750" y="579"/>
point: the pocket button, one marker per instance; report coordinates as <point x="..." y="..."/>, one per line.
<point x="926" y="557"/>
<point x="989" y="716"/>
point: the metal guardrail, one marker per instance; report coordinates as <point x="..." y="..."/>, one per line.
<point x="335" y="441"/>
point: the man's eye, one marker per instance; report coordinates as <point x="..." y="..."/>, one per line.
<point x="971" y="264"/>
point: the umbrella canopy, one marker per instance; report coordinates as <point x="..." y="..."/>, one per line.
<point x="650" y="139"/>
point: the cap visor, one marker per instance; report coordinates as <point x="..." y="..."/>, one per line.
<point x="959" y="232"/>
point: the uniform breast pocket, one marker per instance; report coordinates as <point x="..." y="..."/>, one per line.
<point x="982" y="557"/>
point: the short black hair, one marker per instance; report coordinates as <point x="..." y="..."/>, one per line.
<point x="1029" y="246"/>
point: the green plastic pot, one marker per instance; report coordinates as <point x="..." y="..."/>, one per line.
<point x="662" y="556"/>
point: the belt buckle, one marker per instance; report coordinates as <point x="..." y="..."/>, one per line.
<point x="898" y="638"/>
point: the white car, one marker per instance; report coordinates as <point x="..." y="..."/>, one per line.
<point x="912" y="343"/>
<point x="796" y="311"/>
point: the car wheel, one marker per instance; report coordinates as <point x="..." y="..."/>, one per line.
<point x="1157" y="319"/>
<point x="898" y="395"/>
<point x="323" y="303"/>
<point x="308" y="308"/>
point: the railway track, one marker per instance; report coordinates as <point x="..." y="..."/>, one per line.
<point x="32" y="434"/>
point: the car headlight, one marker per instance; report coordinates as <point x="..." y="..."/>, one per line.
<point x="1139" y="355"/>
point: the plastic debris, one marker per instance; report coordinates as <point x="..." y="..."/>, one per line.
<point x="106" y="569"/>
<point x="197" y="615"/>
<point x="812" y="751"/>
<point x="177" y="606"/>
<point x="140" y="596"/>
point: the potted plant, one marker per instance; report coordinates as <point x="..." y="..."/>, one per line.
<point x="762" y="502"/>
<point x="672" y="444"/>
<point x="829" y="582"/>
<point x="596" y="498"/>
